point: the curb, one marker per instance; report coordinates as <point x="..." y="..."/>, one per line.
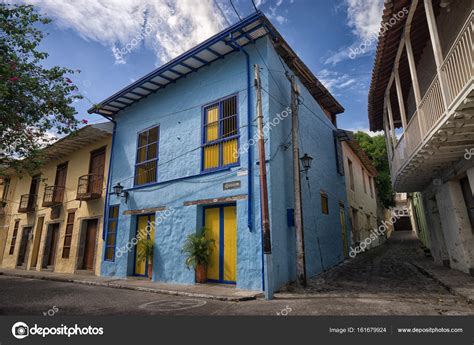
<point x="451" y="289"/>
<point x="114" y="283"/>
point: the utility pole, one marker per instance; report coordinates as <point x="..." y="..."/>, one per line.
<point x="300" y="257"/>
<point x="267" y="245"/>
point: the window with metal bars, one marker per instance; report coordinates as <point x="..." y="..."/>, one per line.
<point x="146" y="166"/>
<point x="111" y="233"/>
<point x="68" y="235"/>
<point x="220" y="137"/>
<point x="15" y="233"/>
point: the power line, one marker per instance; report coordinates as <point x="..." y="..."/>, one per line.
<point x="255" y="7"/>
<point x="237" y="13"/>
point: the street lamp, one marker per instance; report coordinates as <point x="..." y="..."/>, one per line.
<point x="118" y="191"/>
<point x="306" y="162"/>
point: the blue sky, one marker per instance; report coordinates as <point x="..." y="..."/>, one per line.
<point x="88" y="36"/>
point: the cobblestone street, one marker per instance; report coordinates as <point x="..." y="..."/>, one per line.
<point x="382" y="281"/>
<point x="386" y="273"/>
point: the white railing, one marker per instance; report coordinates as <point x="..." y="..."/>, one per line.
<point x="458" y="70"/>
<point x="413" y="134"/>
<point x="431" y="106"/>
<point x="458" y="64"/>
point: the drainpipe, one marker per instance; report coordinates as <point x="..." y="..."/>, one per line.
<point x="249" y="153"/>
<point x="109" y="175"/>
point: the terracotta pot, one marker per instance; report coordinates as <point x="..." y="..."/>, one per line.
<point x="201" y="273"/>
<point x="150" y="270"/>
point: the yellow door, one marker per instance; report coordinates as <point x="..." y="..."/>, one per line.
<point x="145" y="230"/>
<point x="343" y="227"/>
<point x="221" y="225"/>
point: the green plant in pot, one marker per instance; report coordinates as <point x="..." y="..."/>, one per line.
<point x="145" y="249"/>
<point x="198" y="249"/>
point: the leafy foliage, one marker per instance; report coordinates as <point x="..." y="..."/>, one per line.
<point x="198" y="248"/>
<point x="376" y="149"/>
<point x="145" y="248"/>
<point x="34" y="100"/>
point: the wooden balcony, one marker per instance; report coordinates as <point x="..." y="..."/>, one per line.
<point x="27" y="203"/>
<point x="440" y="130"/>
<point x="89" y="187"/>
<point x="53" y="196"/>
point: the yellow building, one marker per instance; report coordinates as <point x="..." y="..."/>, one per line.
<point x="361" y="192"/>
<point x="53" y="218"/>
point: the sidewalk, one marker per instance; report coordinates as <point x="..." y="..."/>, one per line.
<point x="209" y="291"/>
<point x="456" y="282"/>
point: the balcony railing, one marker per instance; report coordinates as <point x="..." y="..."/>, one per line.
<point x="458" y="64"/>
<point x="27" y="203"/>
<point x="53" y="196"/>
<point x="89" y="187"/>
<point x="457" y="70"/>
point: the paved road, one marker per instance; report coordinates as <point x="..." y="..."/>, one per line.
<point x="379" y="282"/>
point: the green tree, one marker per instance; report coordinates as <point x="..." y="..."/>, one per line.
<point x="377" y="151"/>
<point x="34" y="100"/>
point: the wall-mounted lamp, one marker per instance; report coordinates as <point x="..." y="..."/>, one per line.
<point x="118" y="191"/>
<point x="306" y="162"/>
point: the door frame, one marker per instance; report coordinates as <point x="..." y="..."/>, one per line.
<point x="82" y="237"/>
<point x="221" y="242"/>
<point x="135" y="247"/>
<point x="27" y="243"/>
<point x="49" y="225"/>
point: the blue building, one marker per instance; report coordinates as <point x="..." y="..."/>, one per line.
<point x="183" y="149"/>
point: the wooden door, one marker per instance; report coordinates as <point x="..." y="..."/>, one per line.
<point x="342" y="218"/>
<point x="90" y="244"/>
<point x="53" y="245"/>
<point x="33" y="191"/>
<point x="23" y="246"/>
<point x="96" y="169"/>
<point x="36" y="242"/>
<point x="60" y="180"/>
<point x="145" y="230"/>
<point x="61" y="172"/>
<point x="221" y="226"/>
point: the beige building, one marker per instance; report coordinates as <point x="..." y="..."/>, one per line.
<point x="422" y="96"/>
<point x="53" y="219"/>
<point x="361" y="192"/>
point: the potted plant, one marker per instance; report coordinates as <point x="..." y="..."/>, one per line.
<point x="145" y="250"/>
<point x="199" y="249"/>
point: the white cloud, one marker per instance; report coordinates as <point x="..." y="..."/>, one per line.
<point x="364" y="18"/>
<point x="176" y="26"/>
<point x="364" y="129"/>
<point x="274" y="13"/>
<point x="334" y="80"/>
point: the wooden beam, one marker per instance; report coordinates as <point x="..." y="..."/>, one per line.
<point x="145" y="210"/>
<point x="437" y="50"/>
<point x="215" y="200"/>
<point x="401" y="102"/>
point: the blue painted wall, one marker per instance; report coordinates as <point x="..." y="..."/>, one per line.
<point x="177" y="110"/>
<point x="322" y="233"/>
